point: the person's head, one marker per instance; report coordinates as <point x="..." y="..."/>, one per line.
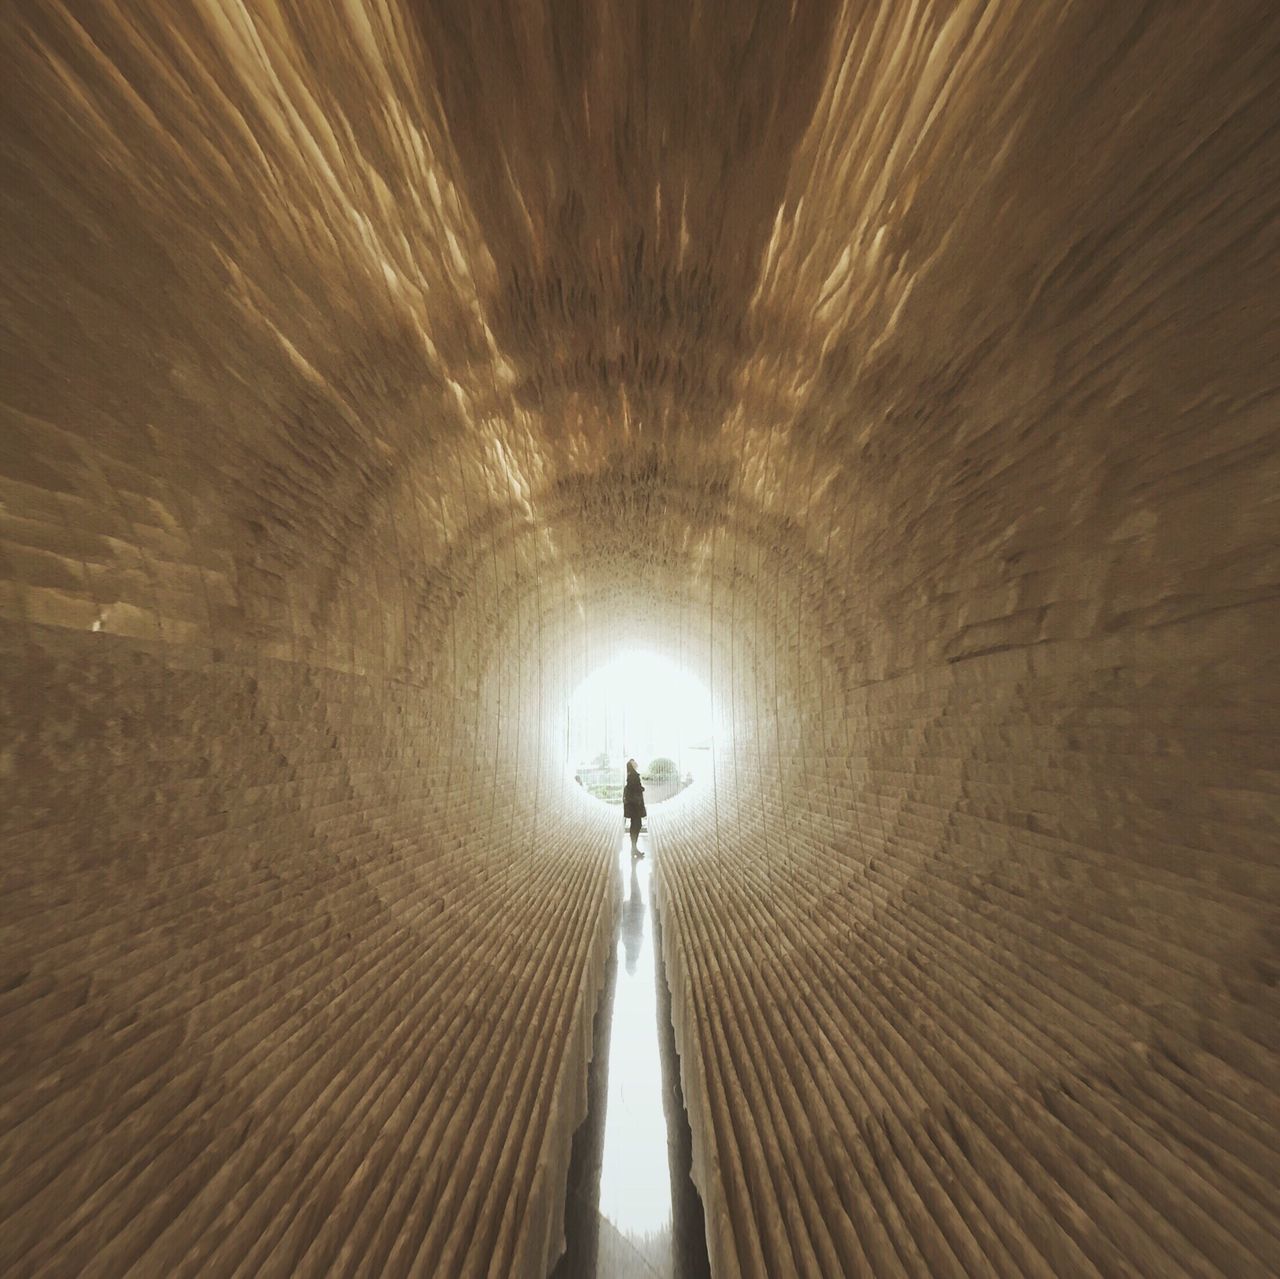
<point x="631" y="767"/>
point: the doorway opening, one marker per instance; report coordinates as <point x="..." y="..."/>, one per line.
<point x="642" y="706"/>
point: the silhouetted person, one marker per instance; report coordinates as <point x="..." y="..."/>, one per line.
<point x="633" y="805"/>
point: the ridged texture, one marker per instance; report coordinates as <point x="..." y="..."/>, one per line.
<point x="373" y="370"/>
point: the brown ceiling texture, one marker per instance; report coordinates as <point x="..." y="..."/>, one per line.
<point x="372" y="370"/>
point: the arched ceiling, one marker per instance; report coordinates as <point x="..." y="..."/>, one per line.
<point x="373" y="370"/>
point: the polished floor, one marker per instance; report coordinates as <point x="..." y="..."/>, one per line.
<point x="632" y="1209"/>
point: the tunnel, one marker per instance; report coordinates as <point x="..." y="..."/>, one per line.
<point x="905" y="372"/>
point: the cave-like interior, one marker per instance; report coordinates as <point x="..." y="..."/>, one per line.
<point x="375" y="370"/>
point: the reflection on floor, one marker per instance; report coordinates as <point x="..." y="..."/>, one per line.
<point x="622" y="1218"/>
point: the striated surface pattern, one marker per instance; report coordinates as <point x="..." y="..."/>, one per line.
<point x="373" y="370"/>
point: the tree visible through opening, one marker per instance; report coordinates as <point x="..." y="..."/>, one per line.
<point x="639" y="705"/>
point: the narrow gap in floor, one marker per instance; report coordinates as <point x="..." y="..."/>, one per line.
<point x="632" y="1208"/>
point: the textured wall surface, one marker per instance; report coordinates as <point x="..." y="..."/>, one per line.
<point x="373" y="370"/>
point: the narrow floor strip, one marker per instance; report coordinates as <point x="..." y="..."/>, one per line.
<point x="632" y="1208"/>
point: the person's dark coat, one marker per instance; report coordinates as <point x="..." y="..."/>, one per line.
<point x="633" y="798"/>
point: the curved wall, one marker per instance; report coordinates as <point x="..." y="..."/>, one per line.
<point x="374" y="371"/>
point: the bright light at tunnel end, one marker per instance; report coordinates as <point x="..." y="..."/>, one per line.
<point x="640" y="705"/>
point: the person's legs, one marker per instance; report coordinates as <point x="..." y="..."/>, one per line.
<point x="635" y="835"/>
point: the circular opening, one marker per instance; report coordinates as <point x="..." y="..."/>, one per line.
<point x="644" y="707"/>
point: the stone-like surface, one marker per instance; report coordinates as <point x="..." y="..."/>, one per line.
<point x="373" y="370"/>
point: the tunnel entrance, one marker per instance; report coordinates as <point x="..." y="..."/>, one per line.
<point x="639" y="705"/>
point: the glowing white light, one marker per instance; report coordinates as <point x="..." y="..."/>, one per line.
<point x="643" y="706"/>
<point x="635" y="1174"/>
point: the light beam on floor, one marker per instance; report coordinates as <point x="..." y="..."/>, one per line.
<point x="635" y="1180"/>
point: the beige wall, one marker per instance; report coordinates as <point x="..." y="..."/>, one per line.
<point x="904" y="371"/>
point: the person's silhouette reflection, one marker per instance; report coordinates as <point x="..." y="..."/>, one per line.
<point x="633" y="922"/>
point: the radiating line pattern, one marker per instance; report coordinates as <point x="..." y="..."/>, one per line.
<point x="374" y="371"/>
